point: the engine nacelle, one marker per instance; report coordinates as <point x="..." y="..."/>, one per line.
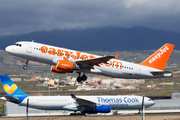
<point x="103" y="109"/>
<point x="54" y="69"/>
<point x="66" y="66"/>
<point x="98" y="109"/>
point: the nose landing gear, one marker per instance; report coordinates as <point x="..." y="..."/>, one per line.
<point x="25" y="66"/>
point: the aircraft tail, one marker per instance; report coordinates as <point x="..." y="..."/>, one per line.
<point x="159" y="59"/>
<point x="13" y="92"/>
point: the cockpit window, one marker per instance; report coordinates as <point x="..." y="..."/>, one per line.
<point x="149" y="100"/>
<point x="18" y="44"/>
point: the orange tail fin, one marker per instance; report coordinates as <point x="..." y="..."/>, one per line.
<point x="159" y="59"/>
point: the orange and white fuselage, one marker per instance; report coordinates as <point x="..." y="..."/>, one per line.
<point x="65" y="60"/>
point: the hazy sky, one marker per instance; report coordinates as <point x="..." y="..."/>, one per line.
<point x="24" y="16"/>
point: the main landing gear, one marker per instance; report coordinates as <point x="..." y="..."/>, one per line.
<point x="80" y="79"/>
<point x="25" y="66"/>
<point x="77" y="113"/>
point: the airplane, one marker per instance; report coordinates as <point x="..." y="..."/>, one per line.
<point x="64" y="60"/>
<point x="84" y="104"/>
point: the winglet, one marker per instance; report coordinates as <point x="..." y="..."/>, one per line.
<point x="116" y="56"/>
<point x="73" y="96"/>
<point x="159" y="59"/>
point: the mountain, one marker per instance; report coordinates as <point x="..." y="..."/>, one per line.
<point x="100" y="39"/>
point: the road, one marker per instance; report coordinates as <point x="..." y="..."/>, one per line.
<point x="173" y="116"/>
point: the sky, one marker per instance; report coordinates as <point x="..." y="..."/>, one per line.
<point x="24" y="16"/>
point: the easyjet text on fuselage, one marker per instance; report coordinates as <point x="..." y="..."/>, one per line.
<point x="76" y="56"/>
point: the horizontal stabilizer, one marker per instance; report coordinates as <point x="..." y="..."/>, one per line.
<point x="161" y="72"/>
<point x="9" y="98"/>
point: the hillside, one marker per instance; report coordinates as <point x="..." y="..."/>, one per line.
<point x="100" y="39"/>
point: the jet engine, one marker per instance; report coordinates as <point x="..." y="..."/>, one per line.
<point x="54" y="69"/>
<point x="66" y="66"/>
<point x="98" y="109"/>
<point x="103" y="109"/>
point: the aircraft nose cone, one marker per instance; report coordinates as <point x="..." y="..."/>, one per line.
<point x="151" y="104"/>
<point x="148" y="102"/>
<point x="8" y="49"/>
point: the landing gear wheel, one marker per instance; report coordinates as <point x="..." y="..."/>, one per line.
<point x="77" y="114"/>
<point x="84" y="78"/>
<point x="25" y="67"/>
<point x="79" y="79"/>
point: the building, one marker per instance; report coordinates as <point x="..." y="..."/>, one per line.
<point x="33" y="78"/>
<point x="82" y="88"/>
<point x="51" y="82"/>
<point x="14" y="110"/>
<point x="16" y="79"/>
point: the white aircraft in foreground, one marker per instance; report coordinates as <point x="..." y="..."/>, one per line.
<point x="84" y="104"/>
<point x="64" y="60"/>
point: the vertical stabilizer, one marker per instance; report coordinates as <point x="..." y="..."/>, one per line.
<point x="11" y="89"/>
<point x="159" y="59"/>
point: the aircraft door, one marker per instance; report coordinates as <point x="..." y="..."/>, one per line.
<point x="29" y="47"/>
<point x="138" y="70"/>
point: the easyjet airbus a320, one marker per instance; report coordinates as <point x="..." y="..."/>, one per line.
<point x="64" y="60"/>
